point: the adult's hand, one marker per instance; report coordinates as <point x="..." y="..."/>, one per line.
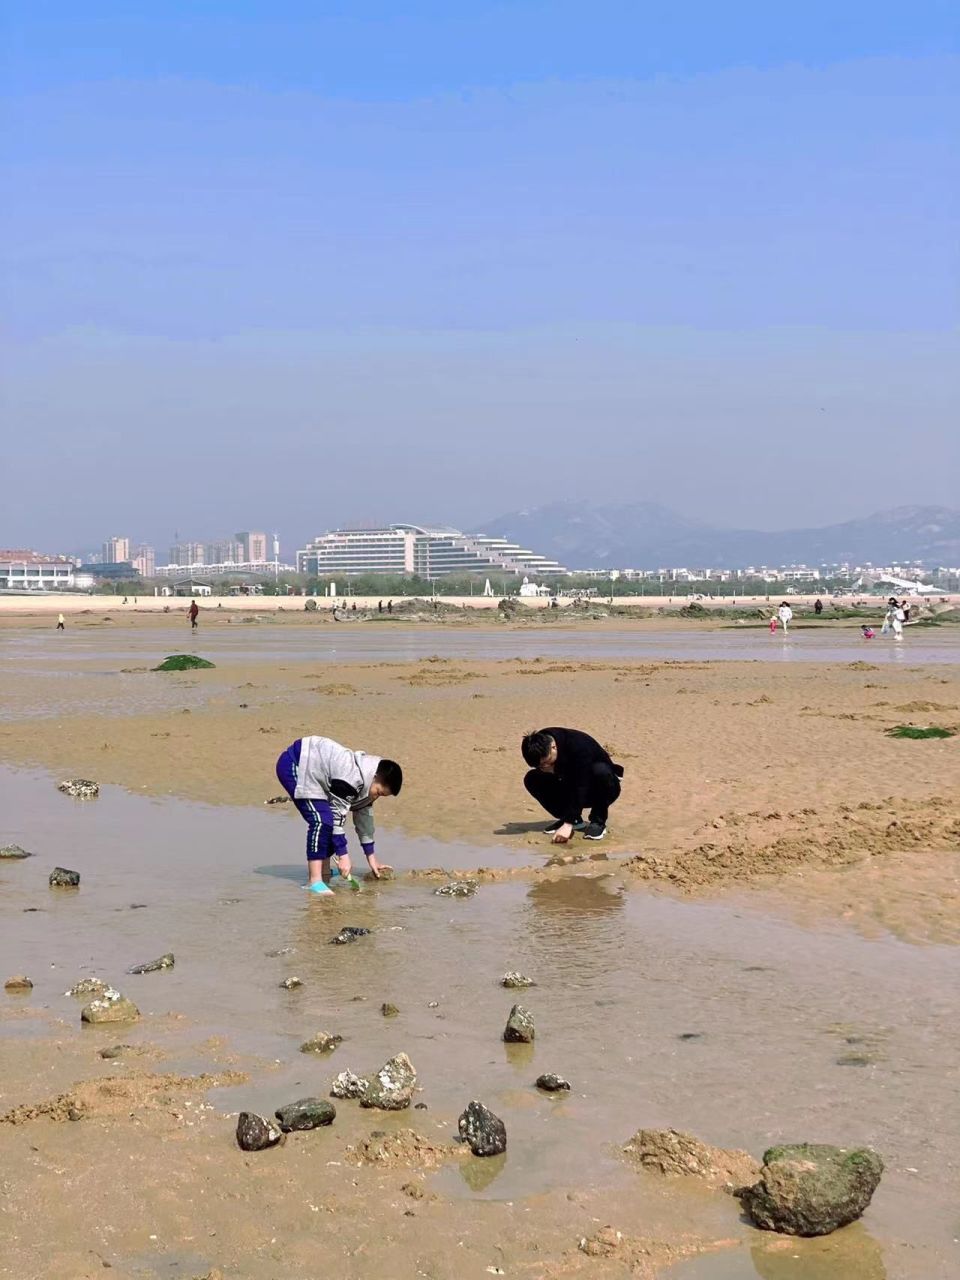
<point x="563" y="835"/>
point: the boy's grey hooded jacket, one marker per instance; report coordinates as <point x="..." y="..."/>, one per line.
<point x="328" y="771"/>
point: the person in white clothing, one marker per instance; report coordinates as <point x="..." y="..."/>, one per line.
<point x="785" y="614"/>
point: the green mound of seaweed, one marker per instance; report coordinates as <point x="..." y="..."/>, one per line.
<point x="913" y="731"/>
<point x="183" y="662"/>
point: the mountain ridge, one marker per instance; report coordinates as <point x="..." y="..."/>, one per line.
<point x="648" y="535"/>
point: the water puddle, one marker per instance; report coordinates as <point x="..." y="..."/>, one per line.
<point x="851" y="1254"/>
<point x="272" y="642"/>
<point x="742" y="1027"/>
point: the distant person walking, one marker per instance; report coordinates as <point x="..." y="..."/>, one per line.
<point x="906" y="610"/>
<point x="192" y="612"/>
<point x="60" y="623"/>
<point x="379" y="606"/>
<point x="893" y="620"/>
<point x="389" y="606"/>
<point x="785" y="614"/>
<point x="818" y="608"/>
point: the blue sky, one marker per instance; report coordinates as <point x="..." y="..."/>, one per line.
<point x="434" y="261"/>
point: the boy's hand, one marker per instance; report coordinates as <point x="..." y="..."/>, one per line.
<point x="564" y="834"/>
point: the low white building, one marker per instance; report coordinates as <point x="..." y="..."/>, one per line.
<point x="30" y="571"/>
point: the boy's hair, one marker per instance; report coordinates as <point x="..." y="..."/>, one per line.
<point x="391" y="775"/>
<point x="536" y="747"/>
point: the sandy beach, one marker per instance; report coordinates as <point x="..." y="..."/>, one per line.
<point x="780" y="887"/>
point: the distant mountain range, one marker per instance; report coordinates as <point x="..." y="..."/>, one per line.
<point x="646" y="535"/>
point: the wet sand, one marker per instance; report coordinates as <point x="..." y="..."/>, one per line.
<point x="755" y="898"/>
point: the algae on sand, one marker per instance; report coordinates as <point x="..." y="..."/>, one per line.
<point x="913" y="731"/>
<point x="182" y="662"/>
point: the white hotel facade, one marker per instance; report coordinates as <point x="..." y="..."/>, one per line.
<point x="423" y="550"/>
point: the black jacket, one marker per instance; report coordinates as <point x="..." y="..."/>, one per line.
<point x="577" y="753"/>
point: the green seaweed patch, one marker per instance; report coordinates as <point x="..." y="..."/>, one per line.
<point x="183" y="662"/>
<point x="915" y="731"/>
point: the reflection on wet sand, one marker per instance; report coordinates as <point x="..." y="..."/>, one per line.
<point x="850" y="1254"/>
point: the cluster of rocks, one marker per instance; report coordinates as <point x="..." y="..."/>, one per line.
<point x="255" y="1133"/>
<point x="798" y="1189"/>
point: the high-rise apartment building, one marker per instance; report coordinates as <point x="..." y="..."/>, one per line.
<point x="186" y="553"/>
<point x="145" y="561"/>
<point x="116" y="551"/>
<point x="418" y="549"/>
<point x="253" y="547"/>
<point x="228" y="551"/>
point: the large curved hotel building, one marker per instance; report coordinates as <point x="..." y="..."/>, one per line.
<point x="428" y="552"/>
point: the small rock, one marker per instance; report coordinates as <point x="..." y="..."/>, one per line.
<point x="812" y="1189"/>
<point x="13" y="852"/>
<point x="152" y="966"/>
<point x="552" y="1083"/>
<point x="291" y="984"/>
<point x="458" y="889"/>
<point x="519" y="1028"/>
<point x="256" y="1134"/>
<point x="74" y="1113"/>
<point x="321" y="1043"/>
<point x="110" y="1007"/>
<point x="483" y="1132"/>
<point x="114" y="1050"/>
<point x="88" y="987"/>
<point x="391" y="1089"/>
<point x="82" y="788"/>
<point x="20" y="983"/>
<point x="514" y="980"/>
<point x="280" y="951"/>
<point x="856" y="1060"/>
<point x="308" y="1113"/>
<point x="604" y="1244"/>
<point x="349" y="933"/>
<point x="690" y="1035"/>
<point x="433" y="1004"/>
<point x="389" y="1010"/>
<point x="61" y="878"/>
<point x="273" y="799"/>
<point x="347" y="1085"/>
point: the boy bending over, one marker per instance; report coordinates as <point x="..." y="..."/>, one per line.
<point x="326" y="782"/>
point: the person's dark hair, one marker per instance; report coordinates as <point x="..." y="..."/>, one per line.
<point x="536" y="747"/>
<point x="391" y="775"/>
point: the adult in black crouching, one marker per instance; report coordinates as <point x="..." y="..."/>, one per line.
<point x="570" y="771"/>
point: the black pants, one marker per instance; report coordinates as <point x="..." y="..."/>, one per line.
<point x="556" y="796"/>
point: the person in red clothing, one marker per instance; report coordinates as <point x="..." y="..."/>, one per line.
<point x="569" y="770"/>
<point x="193" y="611"/>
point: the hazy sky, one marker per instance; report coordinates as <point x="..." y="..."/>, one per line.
<point x="284" y="265"/>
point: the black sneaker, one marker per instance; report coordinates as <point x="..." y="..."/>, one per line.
<point x="595" y="831"/>
<point x="554" y="827"/>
